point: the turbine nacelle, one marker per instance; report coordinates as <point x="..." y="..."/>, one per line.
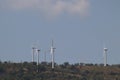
<point x="105" y="49"/>
<point x="52" y="50"/>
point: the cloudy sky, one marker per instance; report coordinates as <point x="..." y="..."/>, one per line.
<point x="80" y="30"/>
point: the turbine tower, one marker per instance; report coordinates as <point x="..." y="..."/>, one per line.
<point x="52" y="53"/>
<point x="33" y="52"/>
<point x="105" y="56"/>
<point x="38" y="52"/>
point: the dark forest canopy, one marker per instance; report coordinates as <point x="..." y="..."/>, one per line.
<point x="65" y="71"/>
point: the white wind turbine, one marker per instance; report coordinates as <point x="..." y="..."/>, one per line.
<point x="52" y="50"/>
<point x="38" y="53"/>
<point x="105" y="56"/>
<point x="33" y="52"/>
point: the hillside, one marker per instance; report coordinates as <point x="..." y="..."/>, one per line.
<point x="65" y="71"/>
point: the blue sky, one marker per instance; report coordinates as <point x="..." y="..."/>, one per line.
<point x="79" y="28"/>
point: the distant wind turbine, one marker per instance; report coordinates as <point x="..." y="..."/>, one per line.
<point x="33" y="52"/>
<point x="52" y="53"/>
<point x="105" y="56"/>
<point x="38" y="53"/>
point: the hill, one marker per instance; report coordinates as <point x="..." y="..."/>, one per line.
<point x="65" y="71"/>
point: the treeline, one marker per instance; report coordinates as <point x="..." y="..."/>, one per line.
<point x="65" y="71"/>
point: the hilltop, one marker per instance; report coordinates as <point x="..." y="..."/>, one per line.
<point x="65" y="71"/>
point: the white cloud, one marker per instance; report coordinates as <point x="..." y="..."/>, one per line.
<point x="52" y="7"/>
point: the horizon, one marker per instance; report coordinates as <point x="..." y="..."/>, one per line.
<point x="80" y="63"/>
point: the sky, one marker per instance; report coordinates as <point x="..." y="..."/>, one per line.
<point x="80" y="30"/>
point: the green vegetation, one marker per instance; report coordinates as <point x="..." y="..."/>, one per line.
<point x="65" y="71"/>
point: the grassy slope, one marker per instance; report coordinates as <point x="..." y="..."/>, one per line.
<point x="28" y="71"/>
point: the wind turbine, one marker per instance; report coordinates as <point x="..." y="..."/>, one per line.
<point x="33" y="52"/>
<point x="38" y="53"/>
<point x="105" y="56"/>
<point x="52" y="53"/>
